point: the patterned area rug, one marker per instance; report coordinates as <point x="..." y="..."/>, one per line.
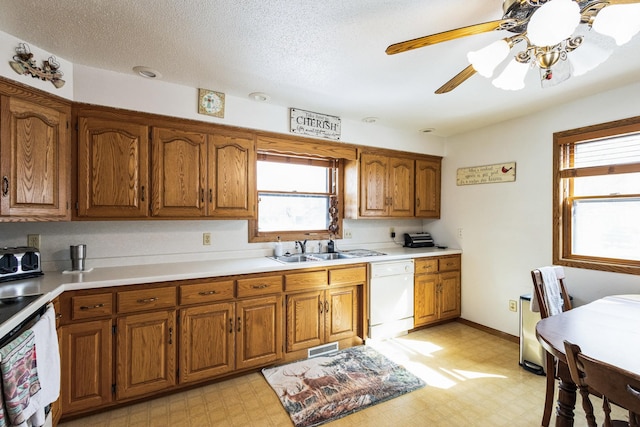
<point x="318" y="390"/>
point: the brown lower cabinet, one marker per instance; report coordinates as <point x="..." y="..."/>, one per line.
<point x="126" y="343"/>
<point x="436" y="289"/>
<point x="86" y="365"/>
<point x="145" y="353"/>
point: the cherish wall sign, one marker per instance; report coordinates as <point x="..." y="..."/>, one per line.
<point x="502" y="172"/>
<point x="315" y="124"/>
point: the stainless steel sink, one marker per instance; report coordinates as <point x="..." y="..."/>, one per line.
<point x="322" y="256"/>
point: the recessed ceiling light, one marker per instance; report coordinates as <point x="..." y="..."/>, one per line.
<point x="147" y="73"/>
<point x="259" y="96"/>
<point x="370" y="120"/>
<point x="427" y="130"/>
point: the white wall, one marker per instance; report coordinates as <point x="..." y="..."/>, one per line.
<point x="507" y="227"/>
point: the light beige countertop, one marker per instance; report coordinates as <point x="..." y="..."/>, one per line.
<point x="52" y="284"/>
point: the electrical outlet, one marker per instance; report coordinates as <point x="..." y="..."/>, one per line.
<point x="459" y="233"/>
<point x="392" y="232"/>
<point x="513" y="305"/>
<point x="33" y="240"/>
<point x="347" y="234"/>
<point x="206" y="239"/>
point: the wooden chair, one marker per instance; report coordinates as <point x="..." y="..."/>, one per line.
<point x="551" y="362"/>
<point x="614" y="384"/>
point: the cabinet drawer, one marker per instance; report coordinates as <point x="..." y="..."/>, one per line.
<point x="259" y="286"/>
<point x="305" y="280"/>
<point x="426" y="265"/>
<point x="146" y="299"/>
<point x="206" y="292"/>
<point x="449" y="263"/>
<point x="348" y="275"/>
<point x="91" y="306"/>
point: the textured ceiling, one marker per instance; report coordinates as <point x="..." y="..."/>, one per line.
<point x="325" y="56"/>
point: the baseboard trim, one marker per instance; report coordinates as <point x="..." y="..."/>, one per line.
<point x="489" y="330"/>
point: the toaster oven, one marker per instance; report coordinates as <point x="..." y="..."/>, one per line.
<point x="19" y="263"/>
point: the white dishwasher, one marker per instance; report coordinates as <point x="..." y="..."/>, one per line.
<point x="390" y="298"/>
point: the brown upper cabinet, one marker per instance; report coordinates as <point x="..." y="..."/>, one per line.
<point x="428" y="188"/>
<point x="34" y="157"/>
<point x="197" y="175"/>
<point x="134" y="165"/>
<point x="113" y="168"/>
<point x="384" y="185"/>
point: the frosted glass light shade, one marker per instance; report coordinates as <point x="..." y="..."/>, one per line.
<point x="553" y="22"/>
<point x="621" y="22"/>
<point x="486" y="60"/>
<point x="594" y="50"/>
<point x="512" y="77"/>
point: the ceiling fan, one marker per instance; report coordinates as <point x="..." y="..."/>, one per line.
<point x="533" y="22"/>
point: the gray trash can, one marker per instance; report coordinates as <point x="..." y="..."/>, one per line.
<point x="532" y="355"/>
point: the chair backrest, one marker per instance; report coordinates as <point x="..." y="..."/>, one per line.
<point x="613" y="383"/>
<point x="540" y="293"/>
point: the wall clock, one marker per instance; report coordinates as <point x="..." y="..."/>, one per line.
<point x="211" y="103"/>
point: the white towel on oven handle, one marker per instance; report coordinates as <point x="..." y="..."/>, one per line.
<point x="48" y="364"/>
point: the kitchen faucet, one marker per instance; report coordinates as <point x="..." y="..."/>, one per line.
<point x="302" y="245"/>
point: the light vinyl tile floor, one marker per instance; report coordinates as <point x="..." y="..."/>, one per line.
<point x="473" y="379"/>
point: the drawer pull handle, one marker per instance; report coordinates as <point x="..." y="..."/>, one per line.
<point x="85" y="307"/>
<point x="321" y="306"/>
<point x="326" y="306"/>
<point x="147" y="300"/>
<point x="260" y="286"/>
<point x="239" y="324"/>
<point x="5" y="186"/>
<point x="230" y="326"/>
<point x="210" y="196"/>
<point x="203" y="293"/>
<point x="170" y="335"/>
<point x="142" y="193"/>
<point x="59" y="316"/>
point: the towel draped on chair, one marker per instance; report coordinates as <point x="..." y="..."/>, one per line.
<point x="552" y="293"/>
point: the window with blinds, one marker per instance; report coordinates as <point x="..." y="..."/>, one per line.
<point x="597" y="203"/>
<point x="295" y="197"/>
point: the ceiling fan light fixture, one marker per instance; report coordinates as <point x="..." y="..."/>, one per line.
<point x="621" y="22"/>
<point x="486" y="60"/>
<point x="512" y="77"/>
<point x="553" y="22"/>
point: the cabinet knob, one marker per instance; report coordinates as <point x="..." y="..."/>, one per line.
<point x="5" y="186"/>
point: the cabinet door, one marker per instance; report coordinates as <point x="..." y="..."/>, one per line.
<point x="374" y="199"/>
<point x="232" y="177"/>
<point x="179" y="173"/>
<point x="401" y="187"/>
<point x="145" y="353"/>
<point x="35" y="160"/>
<point x="113" y="168"/>
<point x="86" y="365"/>
<point x="305" y="320"/>
<point x="341" y="311"/>
<point x="450" y="294"/>
<point x="425" y="298"/>
<point x="206" y="341"/>
<point x="428" y="188"/>
<point x="259" y="331"/>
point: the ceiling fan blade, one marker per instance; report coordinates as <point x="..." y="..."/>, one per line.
<point x="612" y="2"/>
<point x="456" y="81"/>
<point x="448" y="35"/>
